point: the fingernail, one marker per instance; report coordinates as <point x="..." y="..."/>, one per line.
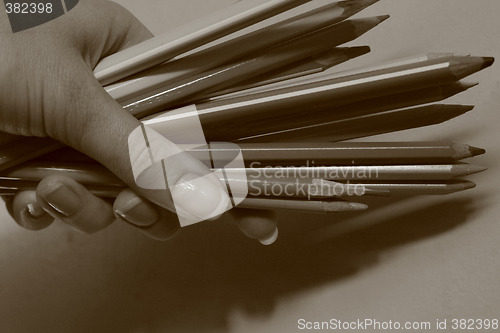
<point x="199" y="197"/>
<point x="61" y="198"/>
<point x="271" y="239"/>
<point x="35" y="210"/>
<point x="138" y="212"/>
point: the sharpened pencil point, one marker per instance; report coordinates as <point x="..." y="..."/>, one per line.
<point x="382" y="18"/>
<point x="476" y="169"/>
<point x="465" y="108"/>
<point x="476" y="151"/>
<point x="468" y="85"/>
<point x="357" y="51"/>
<point x="468" y="185"/>
<point x="488" y="61"/>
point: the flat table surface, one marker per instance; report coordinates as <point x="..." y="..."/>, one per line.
<point x="413" y="259"/>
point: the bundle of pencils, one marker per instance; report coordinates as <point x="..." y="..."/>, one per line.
<point x="256" y="91"/>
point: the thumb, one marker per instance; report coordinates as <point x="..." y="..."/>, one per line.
<point x="150" y="164"/>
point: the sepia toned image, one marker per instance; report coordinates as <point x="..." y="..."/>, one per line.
<point x="253" y="166"/>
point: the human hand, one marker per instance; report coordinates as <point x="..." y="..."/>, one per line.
<point x="48" y="89"/>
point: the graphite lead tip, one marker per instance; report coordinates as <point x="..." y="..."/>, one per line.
<point x="476" y="151"/>
<point x="468" y="185"/>
<point x="488" y="61"/>
<point x="459" y="170"/>
<point x="382" y="18"/>
<point x="472" y="169"/>
<point x="468" y="85"/>
<point x="358" y="206"/>
<point x="357" y="51"/>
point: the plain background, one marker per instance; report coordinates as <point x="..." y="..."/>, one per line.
<point x="407" y="259"/>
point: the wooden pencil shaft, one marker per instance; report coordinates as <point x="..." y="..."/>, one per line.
<point x="310" y="66"/>
<point x="364" y="126"/>
<point x="268" y="123"/>
<point x="363" y="173"/>
<point x="360" y="70"/>
<point x="173" y="43"/>
<point x="348" y="152"/>
<point x="300" y="153"/>
<point x="84" y="173"/>
<point x="421" y="188"/>
<point x="189" y="90"/>
<point x="243" y="46"/>
<point x="12" y="187"/>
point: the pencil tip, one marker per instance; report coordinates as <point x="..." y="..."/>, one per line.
<point x="472" y="169"/>
<point x="358" y="206"/>
<point x="468" y="185"/>
<point x="465" y="108"/>
<point x="476" y="151"/>
<point x="357" y="51"/>
<point x="468" y="85"/>
<point x="382" y="18"/>
<point x="488" y="61"/>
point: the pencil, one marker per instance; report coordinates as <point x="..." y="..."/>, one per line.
<point x="313" y="65"/>
<point x="189" y="90"/>
<point x="363" y="126"/>
<point x="173" y="43"/>
<point x="355" y="71"/>
<point x="268" y="123"/>
<point x="242" y="46"/>
<point x="302" y="153"/>
<point x="342" y="153"/>
<point x="371" y="172"/>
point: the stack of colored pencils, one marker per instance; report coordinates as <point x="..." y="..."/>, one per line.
<point x="255" y="91"/>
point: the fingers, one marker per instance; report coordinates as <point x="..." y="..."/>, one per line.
<point x="70" y="202"/>
<point x="257" y="224"/>
<point x="144" y="216"/>
<point x="26" y="211"/>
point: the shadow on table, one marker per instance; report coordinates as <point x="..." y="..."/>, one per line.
<point x="221" y="271"/>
